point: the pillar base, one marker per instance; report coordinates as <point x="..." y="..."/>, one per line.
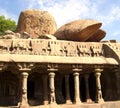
<point x="89" y="101"/>
<point x="77" y="101"/>
<point x="24" y="105"/>
<point x="53" y="103"/>
<point x="68" y="102"/>
<point x="45" y="102"/>
<point x="100" y="101"/>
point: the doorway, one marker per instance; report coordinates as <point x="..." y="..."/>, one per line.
<point x="30" y="89"/>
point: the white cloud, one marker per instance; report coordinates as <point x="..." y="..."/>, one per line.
<point x="66" y="10"/>
<point x="116" y="33"/>
<point x="112" y="15"/>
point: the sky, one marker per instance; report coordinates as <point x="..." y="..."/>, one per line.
<point x="64" y="11"/>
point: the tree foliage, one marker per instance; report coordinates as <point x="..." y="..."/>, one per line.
<point x="6" y="24"/>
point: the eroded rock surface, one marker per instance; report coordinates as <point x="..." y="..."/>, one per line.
<point x="36" y="22"/>
<point x="79" y="30"/>
<point x="99" y="35"/>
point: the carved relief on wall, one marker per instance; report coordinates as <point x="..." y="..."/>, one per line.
<point x="83" y="50"/>
<point x="96" y="49"/>
<point x="39" y="47"/>
<point x="20" y="46"/>
<point x="5" y="46"/>
<point x="51" y="47"/>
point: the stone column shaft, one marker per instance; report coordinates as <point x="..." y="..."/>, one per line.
<point x="77" y="89"/>
<point x="68" y="100"/>
<point x="24" y="100"/>
<point x="98" y="85"/>
<point x="52" y="87"/>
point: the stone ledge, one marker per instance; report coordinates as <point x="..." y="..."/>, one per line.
<point x="112" y="104"/>
<point x="56" y="59"/>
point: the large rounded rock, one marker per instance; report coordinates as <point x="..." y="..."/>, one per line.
<point x="79" y="30"/>
<point x="99" y="35"/>
<point x="36" y="22"/>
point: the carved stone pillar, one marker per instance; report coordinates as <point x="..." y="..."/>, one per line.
<point x="24" y="100"/>
<point x="68" y="100"/>
<point x="45" y="89"/>
<point x="52" y="87"/>
<point x="77" y="85"/>
<point x="88" y="99"/>
<point x="99" y="97"/>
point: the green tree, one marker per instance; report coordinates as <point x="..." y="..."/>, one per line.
<point x="6" y="24"/>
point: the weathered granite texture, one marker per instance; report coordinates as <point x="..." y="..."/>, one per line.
<point x="81" y="30"/>
<point x="36" y="22"/>
<point x="98" y="36"/>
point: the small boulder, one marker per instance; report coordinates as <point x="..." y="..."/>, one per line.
<point x="9" y="37"/>
<point x="47" y="36"/>
<point x="9" y="32"/>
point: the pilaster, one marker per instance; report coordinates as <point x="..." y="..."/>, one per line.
<point x="77" y="85"/>
<point x="99" y="97"/>
<point x="52" y="69"/>
<point x="24" y="99"/>
<point x="52" y="87"/>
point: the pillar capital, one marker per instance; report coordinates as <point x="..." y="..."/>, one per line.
<point x="25" y="67"/>
<point x="77" y="70"/>
<point x="24" y="73"/>
<point x="98" y="70"/>
<point x="98" y="74"/>
<point x="51" y="74"/>
<point x="76" y="74"/>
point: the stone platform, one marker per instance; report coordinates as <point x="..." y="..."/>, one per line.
<point x="110" y="104"/>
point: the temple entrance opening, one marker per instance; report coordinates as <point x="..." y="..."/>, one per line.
<point x="60" y="88"/>
<point x="9" y="89"/>
<point x="92" y="86"/>
<point x="109" y="87"/>
<point x="82" y="89"/>
<point x="71" y="83"/>
<point x="35" y="89"/>
<point x="31" y="87"/>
